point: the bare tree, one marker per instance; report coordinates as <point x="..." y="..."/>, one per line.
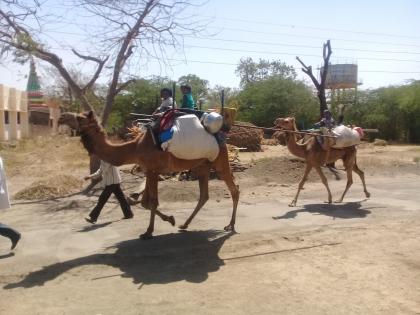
<point x="120" y="30"/>
<point x="124" y="28"/>
<point x="320" y="85"/>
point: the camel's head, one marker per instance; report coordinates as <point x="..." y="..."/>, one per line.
<point x="68" y="119"/>
<point x="87" y="121"/>
<point x="89" y="129"/>
<point x="285" y="123"/>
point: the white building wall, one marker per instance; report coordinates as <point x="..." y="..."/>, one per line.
<point x="14" y="104"/>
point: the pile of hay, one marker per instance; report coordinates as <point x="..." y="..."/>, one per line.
<point x="247" y="138"/>
<point x="380" y="142"/>
<point x="53" y="187"/>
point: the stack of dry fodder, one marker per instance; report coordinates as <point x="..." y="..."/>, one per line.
<point x="57" y="186"/>
<point x="248" y="138"/>
<point x="235" y="165"/>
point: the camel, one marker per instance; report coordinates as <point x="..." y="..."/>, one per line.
<point x="315" y="157"/>
<point x="153" y="161"/>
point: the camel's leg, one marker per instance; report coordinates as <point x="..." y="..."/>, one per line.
<point x="167" y="218"/>
<point x="145" y="202"/>
<point x="222" y="167"/>
<point x="203" y="181"/>
<point x="301" y="183"/>
<point x="152" y="200"/>
<point x="332" y="168"/>
<point x="349" y="182"/>
<point x="327" y="156"/>
<point x="361" y="174"/>
<point x="325" y="182"/>
<point x="234" y="192"/>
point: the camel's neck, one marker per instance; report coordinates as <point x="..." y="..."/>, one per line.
<point x="116" y="154"/>
<point x="293" y="147"/>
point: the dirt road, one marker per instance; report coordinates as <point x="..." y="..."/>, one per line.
<point x="359" y="257"/>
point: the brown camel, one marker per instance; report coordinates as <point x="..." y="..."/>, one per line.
<point x="68" y="119"/>
<point x="153" y="161"/>
<point x="315" y="157"/>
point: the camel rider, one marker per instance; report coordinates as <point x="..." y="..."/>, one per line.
<point x="327" y="121"/>
<point x="325" y="125"/>
<point x="187" y="99"/>
<point x="167" y="101"/>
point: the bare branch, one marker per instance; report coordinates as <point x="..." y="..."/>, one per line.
<point x="320" y="86"/>
<point x="98" y="71"/>
<point x="89" y="58"/>
<point x="308" y="70"/>
<point x="124" y="85"/>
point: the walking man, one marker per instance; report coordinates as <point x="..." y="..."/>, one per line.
<point x="111" y="179"/>
<point x="5" y="230"/>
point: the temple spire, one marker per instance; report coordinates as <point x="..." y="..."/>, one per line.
<point x="33" y="87"/>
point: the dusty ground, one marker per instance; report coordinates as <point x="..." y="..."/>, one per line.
<point x="359" y="257"/>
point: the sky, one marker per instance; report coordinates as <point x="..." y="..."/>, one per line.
<point x="381" y="37"/>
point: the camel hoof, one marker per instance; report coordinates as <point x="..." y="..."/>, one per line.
<point x="183" y="227"/>
<point x="292" y="204"/>
<point x="171" y="220"/>
<point x="367" y="194"/>
<point x="338" y="201"/>
<point x="146" y="236"/>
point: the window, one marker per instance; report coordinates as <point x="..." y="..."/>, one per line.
<point x="6" y="117"/>
<point x="18" y="118"/>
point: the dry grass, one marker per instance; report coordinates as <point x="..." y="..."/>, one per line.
<point x="44" y="156"/>
<point x="57" y="186"/>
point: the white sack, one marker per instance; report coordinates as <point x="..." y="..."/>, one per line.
<point x="346" y="137"/>
<point x="191" y="141"/>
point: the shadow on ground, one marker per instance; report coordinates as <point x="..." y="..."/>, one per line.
<point x="93" y="227"/>
<point x="167" y="258"/>
<point x="4" y="256"/>
<point x="348" y="210"/>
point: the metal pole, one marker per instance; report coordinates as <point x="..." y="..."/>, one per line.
<point x="222" y="100"/>
<point x="173" y="94"/>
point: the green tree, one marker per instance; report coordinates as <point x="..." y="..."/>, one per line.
<point x="250" y="71"/>
<point x="199" y="86"/>
<point x="142" y="96"/>
<point x="265" y="100"/>
<point x="214" y="97"/>
<point x="393" y="110"/>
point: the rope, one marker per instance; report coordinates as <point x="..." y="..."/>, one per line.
<point x="287" y="131"/>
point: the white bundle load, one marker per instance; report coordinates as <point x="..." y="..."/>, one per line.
<point x="212" y="122"/>
<point x="346" y="137"/>
<point x="191" y="141"/>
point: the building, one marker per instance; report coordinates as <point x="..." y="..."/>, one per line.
<point x="13" y="114"/>
<point x="39" y="113"/>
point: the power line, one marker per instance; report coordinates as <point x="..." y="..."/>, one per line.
<point x="295" y="54"/>
<point x="304" y="46"/>
<point x="281" y="34"/>
<point x="274" y="44"/>
<point x="236" y="64"/>
<point x="311" y="36"/>
<point x="313" y="27"/>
